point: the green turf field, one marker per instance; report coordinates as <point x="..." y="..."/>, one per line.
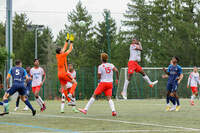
<point x="133" y="116"/>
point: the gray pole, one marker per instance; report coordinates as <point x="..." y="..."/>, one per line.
<point x="9" y="45"/>
<point x="36" y="43"/>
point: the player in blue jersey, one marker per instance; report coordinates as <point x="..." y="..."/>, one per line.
<point x="18" y="73"/>
<point x="28" y="89"/>
<point x="175" y="76"/>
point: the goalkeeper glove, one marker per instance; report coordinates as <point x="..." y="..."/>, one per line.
<point x="67" y="37"/>
<point x="71" y="38"/>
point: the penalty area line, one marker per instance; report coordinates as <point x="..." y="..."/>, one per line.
<point x="116" y="121"/>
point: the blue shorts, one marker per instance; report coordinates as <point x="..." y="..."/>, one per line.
<point x="172" y="87"/>
<point x="20" y="88"/>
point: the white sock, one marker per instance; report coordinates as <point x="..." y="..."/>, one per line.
<point x="112" y="106"/>
<point x="39" y="103"/>
<point x="90" y="102"/>
<point x="146" y="78"/>
<point x="62" y="102"/>
<point x="40" y="99"/>
<point x="63" y="97"/>
<point x="62" y="105"/>
<point x="192" y="97"/>
<point x="125" y="87"/>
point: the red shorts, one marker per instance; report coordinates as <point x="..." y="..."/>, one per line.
<point x="36" y="88"/>
<point x="133" y="66"/>
<point x="105" y="87"/>
<point x="194" y="89"/>
<point x="64" y="78"/>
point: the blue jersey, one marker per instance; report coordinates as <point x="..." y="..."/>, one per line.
<point x="18" y="74"/>
<point x="174" y="73"/>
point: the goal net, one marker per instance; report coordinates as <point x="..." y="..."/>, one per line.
<point x="139" y="89"/>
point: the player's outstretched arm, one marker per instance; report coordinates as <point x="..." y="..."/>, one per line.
<point x="117" y="74"/>
<point x="66" y="43"/>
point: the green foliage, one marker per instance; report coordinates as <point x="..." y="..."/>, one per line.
<point x="3" y="56"/>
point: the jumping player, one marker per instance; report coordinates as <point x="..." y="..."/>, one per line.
<point x="133" y="66"/>
<point x="69" y="86"/>
<point x="18" y="73"/>
<point x="63" y="75"/>
<point x="105" y="74"/>
<point x="193" y="81"/>
<point x="28" y="89"/>
<point x="38" y="78"/>
<point x="175" y="76"/>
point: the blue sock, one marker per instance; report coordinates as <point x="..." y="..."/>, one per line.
<point x="17" y="102"/>
<point x="5" y="101"/>
<point x="167" y="99"/>
<point x="173" y="100"/>
<point x="29" y="105"/>
<point x="1" y="103"/>
<point x="178" y="102"/>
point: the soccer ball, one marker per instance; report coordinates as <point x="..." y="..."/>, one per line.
<point x="82" y="23"/>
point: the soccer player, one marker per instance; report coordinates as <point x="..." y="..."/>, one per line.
<point x="175" y="76"/>
<point x="18" y="73"/>
<point x="63" y="75"/>
<point x="28" y="89"/>
<point x="105" y="74"/>
<point x="193" y="81"/>
<point x="38" y="78"/>
<point x="133" y="66"/>
<point x="69" y="87"/>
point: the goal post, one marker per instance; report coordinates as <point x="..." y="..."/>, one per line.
<point x="139" y="89"/>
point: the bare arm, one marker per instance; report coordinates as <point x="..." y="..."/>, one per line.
<point x="7" y="81"/>
<point x="139" y="46"/>
<point x="117" y="74"/>
<point x="165" y="71"/>
<point x="65" y="47"/>
<point x="189" y="79"/>
<point x="99" y="76"/>
<point x="70" y="49"/>
<point x="180" y="78"/>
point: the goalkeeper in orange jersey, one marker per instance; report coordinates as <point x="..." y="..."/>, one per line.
<point x="63" y="75"/>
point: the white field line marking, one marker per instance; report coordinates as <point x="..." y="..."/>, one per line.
<point x="130" y="131"/>
<point x="117" y="121"/>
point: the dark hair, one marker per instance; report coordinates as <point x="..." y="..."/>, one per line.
<point x="176" y="58"/>
<point x="36" y="60"/>
<point x="58" y="50"/>
<point x="17" y="62"/>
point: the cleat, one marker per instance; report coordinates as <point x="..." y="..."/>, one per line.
<point x="192" y="103"/>
<point x="153" y="83"/>
<point x="114" y="113"/>
<point x="82" y="111"/>
<point x="71" y="103"/>
<point x="26" y="108"/>
<point x="34" y="112"/>
<point x="124" y="96"/>
<point x="168" y="108"/>
<point x="178" y="108"/>
<point x="62" y="111"/>
<point x="173" y="108"/>
<point x="75" y="110"/>
<point x="43" y="108"/>
<point x="16" y="108"/>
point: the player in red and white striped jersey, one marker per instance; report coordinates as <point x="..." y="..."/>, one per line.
<point x="193" y="81"/>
